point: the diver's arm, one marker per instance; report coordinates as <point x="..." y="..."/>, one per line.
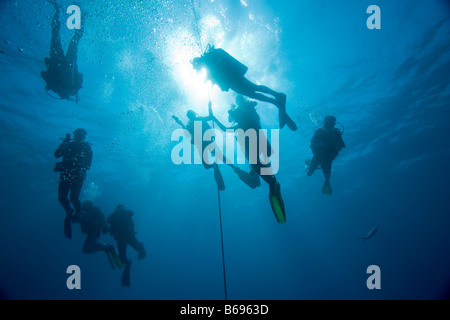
<point x="341" y="141"/>
<point x="62" y="147"/>
<point x="316" y="140"/>
<point x="105" y="226"/>
<point x="221" y="126"/>
<point x="174" y="117"/>
<point x="336" y="141"/>
<point x="208" y="118"/>
<point x="214" y="119"/>
<point x="89" y="155"/>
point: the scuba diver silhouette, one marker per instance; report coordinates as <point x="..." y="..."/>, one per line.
<point x="229" y="73"/>
<point x="122" y="229"/>
<point x="62" y="76"/>
<point x="93" y="222"/>
<point x="244" y="116"/>
<point x="76" y="160"/>
<point x="326" y="144"/>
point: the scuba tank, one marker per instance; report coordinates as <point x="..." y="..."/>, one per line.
<point x="219" y="59"/>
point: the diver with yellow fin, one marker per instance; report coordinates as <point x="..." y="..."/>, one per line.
<point x="121" y="227"/>
<point x="93" y="222"/>
<point x="228" y="73"/>
<point x="326" y="144"/>
<point x="244" y="116"/>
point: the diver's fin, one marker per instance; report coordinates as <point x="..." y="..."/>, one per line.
<point x="142" y="253"/>
<point x="110" y="258"/>
<point x="126" y="274"/>
<point x="219" y="178"/>
<point x="68" y="228"/>
<point x="290" y="123"/>
<point x="113" y="258"/>
<point x="277" y="204"/>
<point x="326" y="189"/>
<point x="283" y="117"/>
<point x="117" y="260"/>
<point x="282" y="110"/>
<point x="55" y="4"/>
<point x="68" y="224"/>
<point x="307" y="164"/>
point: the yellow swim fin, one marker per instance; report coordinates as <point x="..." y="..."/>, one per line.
<point x="326" y="189"/>
<point x="110" y="259"/>
<point x="113" y="258"/>
<point x="277" y="204"/>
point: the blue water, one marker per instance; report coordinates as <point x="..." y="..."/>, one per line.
<point x="388" y="86"/>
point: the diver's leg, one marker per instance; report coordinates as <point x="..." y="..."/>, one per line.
<point x="263" y="142"/>
<point x="122" y="249"/>
<point x="313" y="166"/>
<point x="138" y="246"/>
<point x="56" y="50"/>
<point x="92" y="245"/>
<point x="63" y="192"/>
<point x="218" y="155"/>
<point x="264" y="89"/>
<point x="279" y="98"/>
<point x="72" y="50"/>
<point x="271" y="181"/>
<point x="247" y="88"/>
<point x="249" y="178"/>
<point x="71" y="58"/>
<point x="206" y="165"/>
<point x="77" y="184"/>
<point x="280" y="102"/>
<point x="201" y="150"/>
<point x="326" y="169"/>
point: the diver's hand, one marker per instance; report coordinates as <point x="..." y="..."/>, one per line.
<point x="174" y="117"/>
<point x="67" y="138"/>
<point x="210" y="109"/>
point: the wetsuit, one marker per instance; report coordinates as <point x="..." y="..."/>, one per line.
<point x="76" y="160"/>
<point x="325" y="145"/>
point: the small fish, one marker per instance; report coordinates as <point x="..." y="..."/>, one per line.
<point x="371" y="233"/>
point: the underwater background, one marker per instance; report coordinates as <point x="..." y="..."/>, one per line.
<point x="389" y="87"/>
